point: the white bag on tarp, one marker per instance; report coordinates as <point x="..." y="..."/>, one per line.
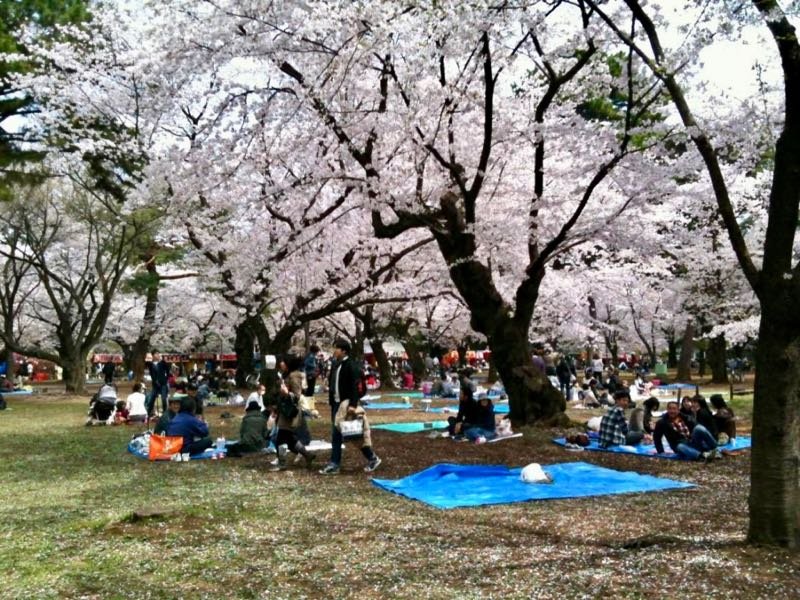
<point x="533" y="473"/>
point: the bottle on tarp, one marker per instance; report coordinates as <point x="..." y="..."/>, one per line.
<point x="220" y="444"/>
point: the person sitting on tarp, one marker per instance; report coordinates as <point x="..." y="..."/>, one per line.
<point x="173" y="408"/>
<point x="724" y="418"/>
<point x="687" y="439"/>
<point x="102" y="406"/>
<point x="483" y="426"/>
<point x="614" y="429"/>
<point x="703" y="416"/>
<point x="253" y="433"/>
<point x="456" y="426"/>
<point x="6" y="385"/>
<point x="193" y="431"/>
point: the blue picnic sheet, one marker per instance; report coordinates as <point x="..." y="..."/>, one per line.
<point x="387" y="405"/>
<point x="741" y="442"/>
<point x="17" y="393"/>
<point x="141" y="453"/>
<point x="458" y="486"/>
<point x="409" y="393"/>
<point x="499" y="409"/>
<point x="411" y="427"/>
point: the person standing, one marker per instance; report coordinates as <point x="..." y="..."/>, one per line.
<point x="564" y="374"/>
<point x="108" y="371"/>
<point x="159" y="375"/>
<point x="311" y="369"/>
<point x="343" y="400"/>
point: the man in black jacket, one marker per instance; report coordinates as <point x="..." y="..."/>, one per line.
<point x="343" y="394"/>
<point x="159" y="376"/>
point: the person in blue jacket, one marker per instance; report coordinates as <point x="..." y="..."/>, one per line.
<point x="193" y="431"/>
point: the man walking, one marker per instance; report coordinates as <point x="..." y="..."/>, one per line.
<point x="343" y="399"/>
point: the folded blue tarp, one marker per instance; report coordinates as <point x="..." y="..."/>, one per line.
<point x="457" y="486"/>
<point x="411" y="427"/>
<point x="387" y="405"/>
<point x="141" y="453"/>
<point x="738" y="443"/>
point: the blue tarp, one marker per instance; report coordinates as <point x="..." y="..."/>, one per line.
<point x="458" y="486"/>
<point x="409" y="393"/>
<point x="17" y="393"/>
<point x="140" y="453"/>
<point x="387" y="405"/>
<point x="499" y="409"/>
<point x="676" y="386"/>
<point x="411" y="427"/>
<point x="738" y="443"/>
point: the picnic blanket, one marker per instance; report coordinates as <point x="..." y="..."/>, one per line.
<point x="142" y="451"/>
<point x="17" y="393"/>
<point x="409" y="393"/>
<point x="738" y="443"/>
<point x="411" y="427"/>
<point x="499" y="409"/>
<point x="458" y="486"/>
<point x="387" y="405"/>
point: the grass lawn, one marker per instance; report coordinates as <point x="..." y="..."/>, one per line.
<point x="82" y="518"/>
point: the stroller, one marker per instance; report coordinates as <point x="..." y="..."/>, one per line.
<point x="103" y="405"/>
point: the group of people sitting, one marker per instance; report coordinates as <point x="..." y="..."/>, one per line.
<point x="475" y="421"/>
<point x="105" y="408"/>
<point x="279" y="417"/>
<point x="690" y="428"/>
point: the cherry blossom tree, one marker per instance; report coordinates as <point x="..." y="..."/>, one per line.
<point x="470" y="115"/>
<point x="68" y="252"/>
<point x="770" y="266"/>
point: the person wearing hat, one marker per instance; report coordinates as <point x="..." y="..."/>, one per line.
<point x="343" y="399"/>
<point x="253" y="433"/>
<point x="173" y="408"/>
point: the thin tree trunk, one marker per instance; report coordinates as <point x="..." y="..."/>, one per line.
<point x="415" y="358"/>
<point x="716" y="360"/>
<point x="243" y="345"/>
<point x="685" y="360"/>
<point x="384" y="368"/>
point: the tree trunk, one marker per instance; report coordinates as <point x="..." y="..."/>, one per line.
<point x="672" y="352"/>
<point x="716" y="359"/>
<point x="384" y="368"/>
<point x="142" y="343"/>
<point x="243" y="346"/>
<point x="491" y="377"/>
<point x="462" y="354"/>
<point x="531" y="397"/>
<point x="414" y="357"/>
<point x="685" y="361"/>
<point x="774" y="495"/>
<point x="74" y="374"/>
